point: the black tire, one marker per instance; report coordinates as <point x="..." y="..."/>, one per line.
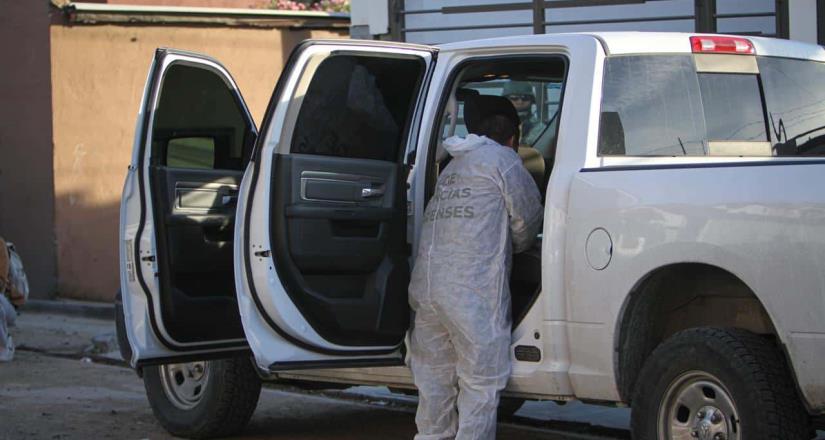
<point x="745" y="369"/>
<point x="230" y="395"/>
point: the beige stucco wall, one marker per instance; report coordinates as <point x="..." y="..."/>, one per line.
<point x="98" y="74"/>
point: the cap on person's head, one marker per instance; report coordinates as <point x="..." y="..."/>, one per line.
<point x="478" y="108"/>
<point x="518" y="88"/>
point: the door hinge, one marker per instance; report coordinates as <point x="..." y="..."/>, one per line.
<point x="148" y="258"/>
<point x="263" y="254"/>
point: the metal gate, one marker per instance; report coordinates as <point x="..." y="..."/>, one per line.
<point x="409" y="24"/>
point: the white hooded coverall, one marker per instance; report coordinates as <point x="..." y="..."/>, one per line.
<point x="485" y="208"/>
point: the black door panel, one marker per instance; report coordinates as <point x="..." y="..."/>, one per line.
<point x="194" y="138"/>
<point x="338" y="230"/>
<point x="197" y="208"/>
<point x="212" y="198"/>
<point x="332" y="236"/>
<point x="341" y="188"/>
<point x="339" y="213"/>
<point x="338" y="210"/>
<point x="200" y="192"/>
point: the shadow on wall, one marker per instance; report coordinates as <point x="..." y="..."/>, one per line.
<point x="90" y="269"/>
<point x="289" y="40"/>
<point x="101" y="72"/>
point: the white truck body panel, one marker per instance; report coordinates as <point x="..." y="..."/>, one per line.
<point x="576" y="309"/>
<point x="760" y="219"/>
<point x="145" y="331"/>
<point x="761" y="223"/>
<point x="268" y="346"/>
<point x="547" y="317"/>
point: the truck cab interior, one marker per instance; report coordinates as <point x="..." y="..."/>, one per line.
<point x="543" y="76"/>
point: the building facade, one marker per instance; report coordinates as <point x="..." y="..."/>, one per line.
<point x="71" y="88"/>
<point x="437" y="21"/>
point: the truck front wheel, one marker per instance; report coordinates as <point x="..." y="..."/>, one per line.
<point x="717" y="384"/>
<point x="203" y="399"/>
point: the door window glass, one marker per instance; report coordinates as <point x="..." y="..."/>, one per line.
<point x="537" y="102"/>
<point x="552" y="98"/>
<point x="660" y="106"/>
<point x="191" y="152"/>
<point x="199" y="122"/>
<point x="795" y="97"/>
<point x="651" y="106"/>
<point x="358" y="106"/>
<point x="733" y="107"/>
<point x="534" y="85"/>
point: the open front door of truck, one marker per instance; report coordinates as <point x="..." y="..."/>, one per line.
<point x="323" y="262"/>
<point x="193" y="141"/>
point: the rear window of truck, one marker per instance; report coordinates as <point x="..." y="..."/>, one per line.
<point x="658" y="105"/>
<point x="651" y="107"/>
<point x="795" y="98"/>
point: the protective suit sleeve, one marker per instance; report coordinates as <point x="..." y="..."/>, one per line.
<point x="523" y="202"/>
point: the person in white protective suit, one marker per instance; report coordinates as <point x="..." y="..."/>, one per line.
<point x="486" y="207"/>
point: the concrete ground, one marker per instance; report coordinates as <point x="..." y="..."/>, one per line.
<point x="47" y="397"/>
<point x="67" y="381"/>
<point x="61" y="385"/>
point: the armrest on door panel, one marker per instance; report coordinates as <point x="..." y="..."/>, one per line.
<point x="339" y="213"/>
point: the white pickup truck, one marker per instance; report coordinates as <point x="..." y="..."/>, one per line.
<point x="680" y="269"/>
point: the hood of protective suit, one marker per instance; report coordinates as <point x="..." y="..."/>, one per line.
<point x="457" y="145"/>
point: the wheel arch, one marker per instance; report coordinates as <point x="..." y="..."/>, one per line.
<point x="675" y="297"/>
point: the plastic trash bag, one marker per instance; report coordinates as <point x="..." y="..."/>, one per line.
<point x="7" y="317"/>
<point x="14" y="291"/>
<point x="13" y="281"/>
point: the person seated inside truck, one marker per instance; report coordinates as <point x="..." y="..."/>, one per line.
<point x="523" y="98"/>
<point x="466" y="96"/>
<point x="486" y="207"/>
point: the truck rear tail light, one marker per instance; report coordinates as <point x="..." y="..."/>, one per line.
<point x="730" y="45"/>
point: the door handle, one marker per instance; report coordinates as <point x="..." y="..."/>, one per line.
<point x="368" y="193"/>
